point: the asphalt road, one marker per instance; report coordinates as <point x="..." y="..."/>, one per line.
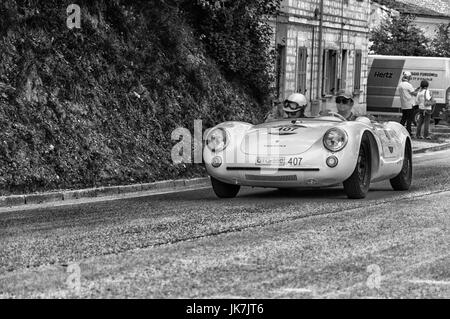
<point x="263" y="244"/>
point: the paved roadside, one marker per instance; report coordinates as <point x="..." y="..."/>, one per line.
<point x="103" y="193"/>
<point x="71" y="197"/>
<point x="423" y="146"/>
<point x="440" y="139"/>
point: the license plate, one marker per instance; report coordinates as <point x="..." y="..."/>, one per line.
<point x="271" y="161"/>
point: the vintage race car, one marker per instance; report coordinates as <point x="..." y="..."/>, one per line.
<point x="308" y="152"/>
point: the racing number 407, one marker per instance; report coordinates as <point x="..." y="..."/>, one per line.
<point x="294" y="161"/>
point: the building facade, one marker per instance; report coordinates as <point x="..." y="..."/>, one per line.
<point x="440" y="6"/>
<point x="322" y="49"/>
<point x="429" y="14"/>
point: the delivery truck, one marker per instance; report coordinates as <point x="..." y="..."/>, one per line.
<point x="385" y="74"/>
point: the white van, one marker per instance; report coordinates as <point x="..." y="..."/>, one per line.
<point x="385" y="74"/>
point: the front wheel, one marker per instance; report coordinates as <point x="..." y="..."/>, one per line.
<point x="224" y="190"/>
<point x="402" y="181"/>
<point x="357" y="185"/>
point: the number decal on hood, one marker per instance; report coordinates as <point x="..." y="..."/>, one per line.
<point x="284" y="130"/>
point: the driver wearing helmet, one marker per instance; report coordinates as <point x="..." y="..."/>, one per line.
<point x="293" y="107"/>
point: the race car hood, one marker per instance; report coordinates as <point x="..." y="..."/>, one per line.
<point x="284" y="137"/>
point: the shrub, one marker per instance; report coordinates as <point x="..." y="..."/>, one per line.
<point x="96" y="106"/>
<point x="237" y="36"/>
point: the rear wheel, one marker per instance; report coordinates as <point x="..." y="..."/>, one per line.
<point x="402" y="181"/>
<point x="224" y="190"/>
<point x="357" y="185"/>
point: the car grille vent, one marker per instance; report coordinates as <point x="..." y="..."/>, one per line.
<point x="281" y="178"/>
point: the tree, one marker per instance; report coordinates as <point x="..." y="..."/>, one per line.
<point x="440" y="45"/>
<point x="237" y="35"/>
<point x="399" y="36"/>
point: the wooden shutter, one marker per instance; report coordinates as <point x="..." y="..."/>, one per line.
<point x="302" y="69"/>
<point x="343" y="77"/>
<point x="325" y="72"/>
<point x="357" y="75"/>
<point x="280" y="70"/>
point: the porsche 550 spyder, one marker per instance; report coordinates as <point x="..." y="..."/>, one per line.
<point x="320" y="151"/>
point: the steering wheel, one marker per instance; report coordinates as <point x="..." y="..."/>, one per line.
<point x="339" y="116"/>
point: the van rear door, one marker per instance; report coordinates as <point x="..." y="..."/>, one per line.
<point x="384" y="76"/>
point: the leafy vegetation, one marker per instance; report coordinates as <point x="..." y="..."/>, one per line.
<point x="441" y="43"/>
<point x="237" y="38"/>
<point x="97" y="105"/>
<point x="399" y="36"/>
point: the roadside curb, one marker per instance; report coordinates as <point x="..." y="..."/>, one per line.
<point x="439" y="147"/>
<point x="70" y="195"/>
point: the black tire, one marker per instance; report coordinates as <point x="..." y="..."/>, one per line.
<point x="358" y="184"/>
<point x="402" y="181"/>
<point x="224" y="190"/>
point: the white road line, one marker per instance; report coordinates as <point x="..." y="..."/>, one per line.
<point x="293" y="290"/>
<point x="429" y="282"/>
<point x="226" y="297"/>
<point x="431" y="153"/>
<point x="428" y="154"/>
<point x="389" y="275"/>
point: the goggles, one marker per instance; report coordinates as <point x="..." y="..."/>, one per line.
<point x="292" y="106"/>
<point x="343" y="100"/>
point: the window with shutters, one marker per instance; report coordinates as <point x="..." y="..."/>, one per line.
<point x="302" y="60"/>
<point x="357" y="75"/>
<point x="280" y="69"/>
<point x="343" y="77"/>
<point x="329" y="73"/>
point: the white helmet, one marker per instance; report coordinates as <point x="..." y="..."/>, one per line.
<point x="295" y="102"/>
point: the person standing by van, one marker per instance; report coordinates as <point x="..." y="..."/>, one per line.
<point x="407" y="99"/>
<point x="425" y="102"/>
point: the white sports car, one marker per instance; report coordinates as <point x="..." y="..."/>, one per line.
<point x="308" y="152"/>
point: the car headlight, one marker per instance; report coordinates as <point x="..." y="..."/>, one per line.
<point x="217" y="140"/>
<point x="335" y="139"/>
